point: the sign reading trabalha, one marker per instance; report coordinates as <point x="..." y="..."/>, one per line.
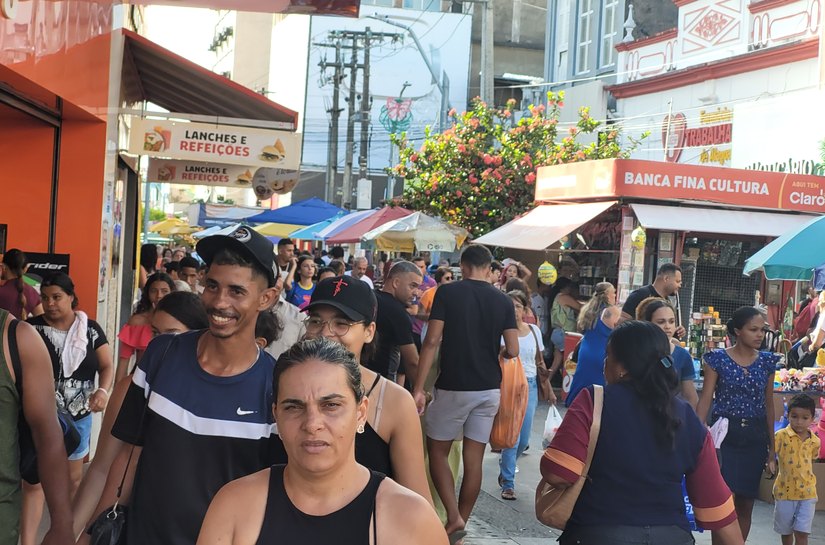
<point x="215" y="143"/>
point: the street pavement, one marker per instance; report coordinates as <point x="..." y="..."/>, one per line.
<point x="499" y="522"/>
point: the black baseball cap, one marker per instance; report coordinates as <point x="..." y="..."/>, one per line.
<point x="247" y="242"/>
<point x="351" y="296"/>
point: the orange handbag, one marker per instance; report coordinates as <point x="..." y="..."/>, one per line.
<point x="513" y="405"/>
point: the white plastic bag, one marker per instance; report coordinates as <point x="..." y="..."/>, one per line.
<point x="551" y="425"/>
<point x="719" y="431"/>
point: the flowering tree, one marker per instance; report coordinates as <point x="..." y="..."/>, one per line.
<point x="481" y="172"/>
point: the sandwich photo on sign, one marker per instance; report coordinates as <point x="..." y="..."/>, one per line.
<point x="274" y="153"/>
<point x="244" y="179"/>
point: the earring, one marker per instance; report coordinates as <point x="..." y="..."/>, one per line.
<point x="360" y="428"/>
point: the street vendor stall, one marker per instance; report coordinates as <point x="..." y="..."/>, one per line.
<point x="620" y="219"/>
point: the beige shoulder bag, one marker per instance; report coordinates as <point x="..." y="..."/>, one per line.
<point x="555" y="505"/>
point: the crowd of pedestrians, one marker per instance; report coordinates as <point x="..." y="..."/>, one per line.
<point x="260" y="396"/>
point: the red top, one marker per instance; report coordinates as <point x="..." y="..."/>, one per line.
<point x="133" y="338"/>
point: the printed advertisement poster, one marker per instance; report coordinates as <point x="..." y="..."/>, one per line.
<point x="223" y="144"/>
<point x="264" y="181"/>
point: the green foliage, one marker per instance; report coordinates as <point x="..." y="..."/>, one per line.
<point x="155" y="214"/>
<point x="481" y="172"/>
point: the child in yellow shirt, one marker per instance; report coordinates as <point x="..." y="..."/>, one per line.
<point x="795" y="486"/>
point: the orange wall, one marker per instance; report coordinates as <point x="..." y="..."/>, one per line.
<point x="68" y="57"/>
<point x="69" y="49"/>
<point x="26" y="148"/>
<point x="80" y="204"/>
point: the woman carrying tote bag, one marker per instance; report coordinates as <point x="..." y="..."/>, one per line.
<point x="647" y="442"/>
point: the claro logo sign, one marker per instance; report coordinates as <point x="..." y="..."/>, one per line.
<point x="716" y="129"/>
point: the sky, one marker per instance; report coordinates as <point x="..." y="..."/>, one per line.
<point x="185" y="31"/>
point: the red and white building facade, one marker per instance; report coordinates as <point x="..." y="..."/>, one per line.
<point x="735" y="84"/>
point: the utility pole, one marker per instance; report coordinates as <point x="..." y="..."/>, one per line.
<point x="353" y="41"/>
<point x="335" y="112"/>
<point x="487" y="43"/>
<point x="365" y="109"/>
<point x="346" y="187"/>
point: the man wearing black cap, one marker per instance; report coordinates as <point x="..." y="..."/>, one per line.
<point x="199" y="410"/>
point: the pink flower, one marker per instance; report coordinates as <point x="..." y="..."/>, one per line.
<point x="414" y="157"/>
<point x="459" y="193"/>
<point x="473" y="179"/>
<point x="462" y="148"/>
<point x="487" y="159"/>
<point x="530" y="178"/>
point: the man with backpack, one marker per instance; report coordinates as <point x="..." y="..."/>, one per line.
<point x="27" y="391"/>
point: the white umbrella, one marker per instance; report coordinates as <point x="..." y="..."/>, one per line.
<point x="416" y="231"/>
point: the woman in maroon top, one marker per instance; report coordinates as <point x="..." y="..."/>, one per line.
<point x="16" y="296"/>
<point x="649" y="440"/>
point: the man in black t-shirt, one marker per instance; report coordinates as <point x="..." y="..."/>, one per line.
<point x="396" y="354"/>
<point x="467" y="321"/>
<point x="667" y="283"/>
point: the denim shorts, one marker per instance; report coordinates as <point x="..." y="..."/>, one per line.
<point x="791" y="516"/>
<point x="84" y="428"/>
<point x="557" y="338"/>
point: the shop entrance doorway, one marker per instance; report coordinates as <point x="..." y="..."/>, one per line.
<point x="29" y="149"/>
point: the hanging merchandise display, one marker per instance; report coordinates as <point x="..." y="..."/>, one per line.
<point x="638" y="238"/>
<point x="547" y="273"/>
<point x="707" y="333"/>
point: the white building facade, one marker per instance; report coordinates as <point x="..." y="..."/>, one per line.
<point x="736" y="84"/>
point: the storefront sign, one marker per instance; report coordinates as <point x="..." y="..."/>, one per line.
<point x="264" y="181"/>
<point x="661" y="180"/>
<point x="44" y="264"/>
<point x="714" y="135"/>
<point x="792" y="166"/>
<point x="8" y="8"/>
<point x="215" y="143"/>
<point x="346" y="8"/>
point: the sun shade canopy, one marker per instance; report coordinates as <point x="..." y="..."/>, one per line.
<point x="155" y="74"/>
<point x="543" y="225"/>
<point x="717" y="220"/>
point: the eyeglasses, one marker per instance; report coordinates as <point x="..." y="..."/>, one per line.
<point x="337" y="326"/>
<point x="448" y="278"/>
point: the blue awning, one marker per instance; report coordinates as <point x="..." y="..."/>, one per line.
<point x="304" y="212"/>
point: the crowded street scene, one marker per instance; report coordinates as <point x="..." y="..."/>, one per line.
<point x="412" y="272"/>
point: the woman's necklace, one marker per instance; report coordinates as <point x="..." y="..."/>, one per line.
<point x="751" y="358"/>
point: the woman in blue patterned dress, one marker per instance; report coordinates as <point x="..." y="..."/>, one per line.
<point x="741" y="377"/>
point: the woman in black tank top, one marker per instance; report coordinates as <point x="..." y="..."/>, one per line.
<point x="353" y="524"/>
<point x="343" y="310"/>
<point x="322" y="495"/>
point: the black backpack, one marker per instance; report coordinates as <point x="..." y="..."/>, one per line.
<point x="28" y="452"/>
